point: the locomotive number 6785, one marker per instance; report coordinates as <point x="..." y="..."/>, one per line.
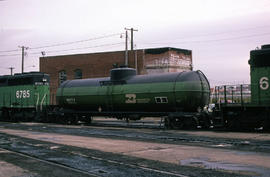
<point x="23" y="94"/>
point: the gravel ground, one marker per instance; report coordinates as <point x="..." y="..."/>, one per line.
<point x="19" y="165"/>
<point x="94" y="162"/>
<point x="139" y="152"/>
<point x="256" y="142"/>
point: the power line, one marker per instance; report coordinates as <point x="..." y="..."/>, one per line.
<point x="220" y="33"/>
<point x="74" y="42"/>
<point x="5" y="51"/>
<point x="9" y="55"/>
<point x="115" y="34"/>
<point x="233" y="38"/>
<point x="61" y="44"/>
<point x="197" y="41"/>
<point x="64" y="50"/>
<point x="214" y="40"/>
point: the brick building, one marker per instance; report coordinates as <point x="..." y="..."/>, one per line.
<point x="91" y="65"/>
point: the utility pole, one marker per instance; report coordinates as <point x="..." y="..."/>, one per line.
<point x="136" y="61"/>
<point x="126" y="49"/>
<point x="23" y="54"/>
<point x="11" y="70"/>
<point x="131" y="43"/>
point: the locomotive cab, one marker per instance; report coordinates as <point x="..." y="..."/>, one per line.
<point x="260" y="75"/>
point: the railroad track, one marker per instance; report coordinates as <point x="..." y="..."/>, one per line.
<point x="24" y="155"/>
<point x="108" y="164"/>
<point x="134" y="166"/>
<point x="151" y="124"/>
<point x="155" y="136"/>
<point x="85" y="172"/>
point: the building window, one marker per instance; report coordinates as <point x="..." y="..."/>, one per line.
<point x="78" y="74"/>
<point x="62" y="76"/>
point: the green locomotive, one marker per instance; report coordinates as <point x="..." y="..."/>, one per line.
<point x="255" y="113"/>
<point x="260" y="75"/>
<point x="23" y="96"/>
<point x="127" y="95"/>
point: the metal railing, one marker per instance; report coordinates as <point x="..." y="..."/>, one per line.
<point x="232" y="94"/>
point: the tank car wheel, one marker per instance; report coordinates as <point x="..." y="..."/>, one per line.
<point x="205" y="121"/>
<point x="74" y="119"/>
<point x="266" y="125"/>
<point x="173" y="123"/>
<point x="88" y="120"/>
<point x="190" y="123"/>
<point x="62" y="119"/>
<point x="167" y="123"/>
<point x="68" y="119"/>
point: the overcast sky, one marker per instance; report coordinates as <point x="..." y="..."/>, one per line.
<point x="220" y="33"/>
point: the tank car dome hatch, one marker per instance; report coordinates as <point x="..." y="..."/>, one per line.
<point x="122" y="73"/>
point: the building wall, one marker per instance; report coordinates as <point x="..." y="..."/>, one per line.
<point x="95" y="65"/>
<point x="169" y="61"/>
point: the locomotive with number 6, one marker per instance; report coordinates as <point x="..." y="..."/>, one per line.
<point x="256" y="112"/>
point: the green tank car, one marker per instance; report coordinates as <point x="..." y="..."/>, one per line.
<point x="125" y="94"/>
<point x="22" y="96"/>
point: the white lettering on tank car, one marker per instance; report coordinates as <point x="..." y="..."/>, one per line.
<point x="70" y="100"/>
<point x="143" y="100"/>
